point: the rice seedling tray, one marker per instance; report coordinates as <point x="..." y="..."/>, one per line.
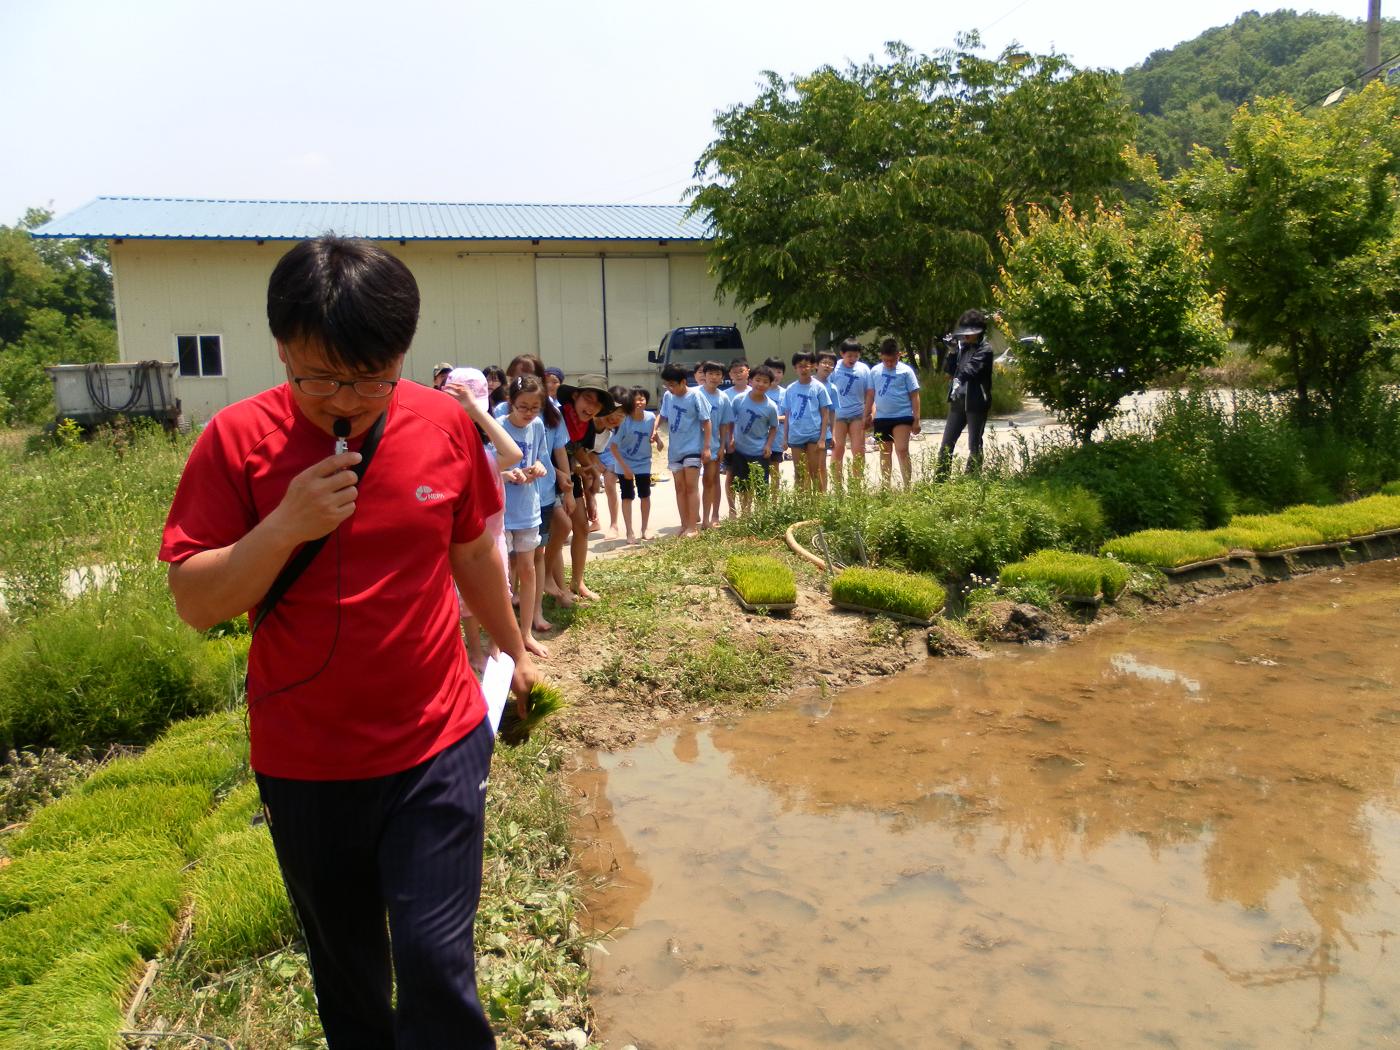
<point x="871" y="611"/>
<point x="770" y="607"/>
<point x="1176" y="570"/>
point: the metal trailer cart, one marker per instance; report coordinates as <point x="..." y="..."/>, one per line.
<point x="94" y="394"/>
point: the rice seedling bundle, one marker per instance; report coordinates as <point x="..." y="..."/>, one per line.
<point x="240" y="905"/>
<point x="545" y="700"/>
<point x="38" y="879"/>
<point x="889" y="591"/>
<point x="1072" y="575"/>
<point x="1165" y="548"/>
<point x="761" y="579"/>
<point x="233" y="814"/>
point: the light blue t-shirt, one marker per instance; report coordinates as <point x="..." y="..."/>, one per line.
<point x="893" y="387"/>
<point x="554" y="438"/>
<point x="803" y="404"/>
<point x="752" y="422"/>
<point x="850" y="385"/>
<point x="684" y="416"/>
<point x="719" y="415"/>
<point x="831" y="393"/>
<point x="632" y="440"/>
<point x="775" y="395"/>
<point x="523" y="501"/>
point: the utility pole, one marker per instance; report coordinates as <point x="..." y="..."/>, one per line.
<point x="1373" y="40"/>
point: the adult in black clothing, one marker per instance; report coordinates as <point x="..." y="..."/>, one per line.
<point x="969" y="367"/>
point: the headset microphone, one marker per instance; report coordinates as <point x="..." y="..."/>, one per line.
<point x="341" y="429"/>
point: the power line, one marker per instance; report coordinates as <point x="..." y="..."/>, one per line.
<point x="1003" y="18"/>
<point x="1364" y="73"/>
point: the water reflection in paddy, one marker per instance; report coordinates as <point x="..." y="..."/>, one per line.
<point x="1181" y="832"/>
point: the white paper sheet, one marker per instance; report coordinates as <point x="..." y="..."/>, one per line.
<point x="495" y="687"/>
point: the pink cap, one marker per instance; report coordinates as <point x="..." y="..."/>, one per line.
<point x="473" y="381"/>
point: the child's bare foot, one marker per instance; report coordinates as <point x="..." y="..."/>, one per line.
<point x="583" y="592"/>
<point x="541" y="625"/>
<point x="535" y="647"/>
<point x="612" y="530"/>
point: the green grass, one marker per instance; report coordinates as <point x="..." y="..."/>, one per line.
<point x="241" y="909"/>
<point x="36" y="880"/>
<point x="1391" y="488"/>
<point x="761" y="579"/>
<point x="1068" y="574"/>
<point x="1165" y="548"/>
<point x="1265" y="533"/>
<point x="887" y="590"/>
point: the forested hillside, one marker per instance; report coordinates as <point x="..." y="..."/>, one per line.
<point x="1187" y="94"/>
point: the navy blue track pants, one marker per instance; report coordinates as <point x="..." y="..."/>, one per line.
<point x="407" y="846"/>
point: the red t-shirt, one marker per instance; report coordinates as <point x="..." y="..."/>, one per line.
<point x="396" y="688"/>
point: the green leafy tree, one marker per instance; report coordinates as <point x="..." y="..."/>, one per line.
<point x="1188" y="95"/>
<point x="871" y="197"/>
<point x="1302" y="223"/>
<point x="1115" y="305"/>
<point x="56" y="306"/>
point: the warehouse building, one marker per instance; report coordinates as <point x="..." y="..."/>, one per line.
<point x="590" y="288"/>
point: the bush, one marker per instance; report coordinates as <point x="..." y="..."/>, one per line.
<point x="1068" y="574"/>
<point x="1142" y="483"/>
<point x="241" y="909"/>
<point x="967" y="526"/>
<point x="760" y="579"/>
<point x="107" y="667"/>
<point x="1008" y="392"/>
<point x="1165" y="549"/>
<point x="897" y="592"/>
<point x="29" y="780"/>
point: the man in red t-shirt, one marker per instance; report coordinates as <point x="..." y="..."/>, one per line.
<point x="367" y="727"/>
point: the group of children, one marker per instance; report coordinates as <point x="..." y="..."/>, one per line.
<point x="559" y="446"/>
<point x="742" y="433"/>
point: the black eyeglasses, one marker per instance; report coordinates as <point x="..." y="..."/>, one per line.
<point x="317" y="387"/>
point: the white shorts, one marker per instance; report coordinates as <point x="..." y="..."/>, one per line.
<point x="522" y="541"/>
<point x="686" y="463"/>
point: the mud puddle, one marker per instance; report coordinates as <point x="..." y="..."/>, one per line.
<point x="1182" y="832"/>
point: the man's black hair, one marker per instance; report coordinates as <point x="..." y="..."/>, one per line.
<point x="349" y="297"/>
<point x="803" y="355"/>
<point x="776" y="364"/>
<point x="674" y="374"/>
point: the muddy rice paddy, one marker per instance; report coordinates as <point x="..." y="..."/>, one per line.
<point x="1177" y="832"/>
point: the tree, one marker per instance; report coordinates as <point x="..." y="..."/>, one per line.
<point x="871" y="197"/>
<point x="1302" y="222"/>
<point x="1115" y="306"/>
<point x="56" y="305"/>
<point x="1188" y="94"/>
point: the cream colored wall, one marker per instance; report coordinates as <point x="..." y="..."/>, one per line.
<point x="482" y="303"/>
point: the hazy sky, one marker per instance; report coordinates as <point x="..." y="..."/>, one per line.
<point x="595" y="101"/>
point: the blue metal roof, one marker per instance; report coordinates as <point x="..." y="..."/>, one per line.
<point x="187" y="219"/>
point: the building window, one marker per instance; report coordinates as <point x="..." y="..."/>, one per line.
<point x="200" y="355"/>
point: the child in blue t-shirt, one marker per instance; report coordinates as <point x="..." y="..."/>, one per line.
<point x="851" y="381"/>
<point x="686" y="413"/>
<point x="755" y="430"/>
<point x="775" y="395"/>
<point x="892" y="404"/>
<point x="526" y="395"/>
<point x="807" y="408"/>
<point x="631" y="445"/>
<point x="711" y="374"/>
